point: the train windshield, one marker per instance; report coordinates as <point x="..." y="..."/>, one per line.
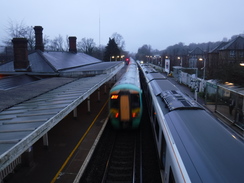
<point x="114" y="101"/>
<point x="135" y="100"/>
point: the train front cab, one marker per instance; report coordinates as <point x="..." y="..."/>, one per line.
<point x="125" y="109"/>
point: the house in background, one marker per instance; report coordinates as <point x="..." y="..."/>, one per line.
<point x="213" y="60"/>
<point x="194" y="56"/>
<point x="232" y="52"/>
<point x="225" y="52"/>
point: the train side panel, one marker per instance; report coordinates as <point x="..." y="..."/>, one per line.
<point x="192" y="145"/>
<point x="173" y="169"/>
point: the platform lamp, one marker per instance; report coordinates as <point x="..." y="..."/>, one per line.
<point x="204" y="66"/>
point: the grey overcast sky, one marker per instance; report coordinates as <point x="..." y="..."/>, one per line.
<point x="158" y="23"/>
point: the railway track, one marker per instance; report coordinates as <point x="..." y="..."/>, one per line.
<point x="123" y="164"/>
<point x="105" y="166"/>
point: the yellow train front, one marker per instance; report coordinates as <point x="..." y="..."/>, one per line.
<point x="126" y="100"/>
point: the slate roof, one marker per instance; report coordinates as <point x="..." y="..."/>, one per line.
<point x="235" y="44"/>
<point x="217" y="48"/>
<point x="32" y="102"/>
<point x="196" y="51"/>
<point x="50" y="63"/>
<point x="67" y="60"/>
<point x="30" y="111"/>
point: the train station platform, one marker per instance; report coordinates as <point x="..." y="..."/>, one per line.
<point x="211" y="108"/>
<point x="29" y="111"/>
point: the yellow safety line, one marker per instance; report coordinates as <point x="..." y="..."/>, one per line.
<point x="73" y="151"/>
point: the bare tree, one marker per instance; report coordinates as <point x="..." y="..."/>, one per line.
<point x="119" y="40"/>
<point x="20" y="30"/>
<point x="86" y="45"/>
<point x="57" y="43"/>
<point x="46" y="42"/>
<point x="66" y="43"/>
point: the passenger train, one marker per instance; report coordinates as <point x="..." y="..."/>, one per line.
<point x="125" y="101"/>
<point x="193" y="146"/>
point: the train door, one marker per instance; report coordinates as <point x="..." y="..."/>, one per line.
<point x="124" y="108"/>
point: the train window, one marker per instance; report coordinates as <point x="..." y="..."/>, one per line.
<point x="153" y="114"/>
<point x="171" y="176"/>
<point x="114" y="102"/>
<point x="156" y="127"/>
<point x="135" y="100"/>
<point x="163" y="151"/>
<point x="149" y="99"/>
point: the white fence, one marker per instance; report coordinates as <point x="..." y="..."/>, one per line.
<point x="192" y="81"/>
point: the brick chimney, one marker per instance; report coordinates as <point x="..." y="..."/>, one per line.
<point x="21" y="62"/>
<point x="72" y="44"/>
<point x="38" y="35"/>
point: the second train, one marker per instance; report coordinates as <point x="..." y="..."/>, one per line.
<point x="125" y="101"/>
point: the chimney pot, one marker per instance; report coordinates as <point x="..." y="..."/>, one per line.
<point x="21" y="62"/>
<point x="72" y="44"/>
<point x="38" y="35"/>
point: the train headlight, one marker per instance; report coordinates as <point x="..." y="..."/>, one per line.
<point x="114" y="113"/>
<point x="114" y="96"/>
<point x="134" y="114"/>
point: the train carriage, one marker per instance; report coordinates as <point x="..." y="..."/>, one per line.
<point x="192" y="145"/>
<point x="125" y="101"/>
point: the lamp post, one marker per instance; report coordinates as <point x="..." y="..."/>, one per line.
<point x="180" y="58"/>
<point x="121" y="57"/>
<point x="167" y="64"/>
<point x="204" y="66"/>
<point x="160" y="61"/>
<point x="111" y="57"/>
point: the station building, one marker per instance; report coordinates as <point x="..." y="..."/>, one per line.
<point x="38" y="89"/>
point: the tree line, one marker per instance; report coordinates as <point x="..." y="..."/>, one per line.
<point x="233" y="72"/>
<point x="115" y="46"/>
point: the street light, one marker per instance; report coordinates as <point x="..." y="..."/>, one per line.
<point x="204" y="65"/>
<point x="180" y="58"/>
<point x="111" y="57"/>
<point x="121" y="57"/>
<point x="160" y="60"/>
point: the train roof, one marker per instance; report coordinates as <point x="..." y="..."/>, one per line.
<point x="151" y="73"/>
<point x="130" y="79"/>
<point x="209" y="151"/>
<point x="159" y="86"/>
<point x="126" y="86"/>
<point x="175" y="99"/>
